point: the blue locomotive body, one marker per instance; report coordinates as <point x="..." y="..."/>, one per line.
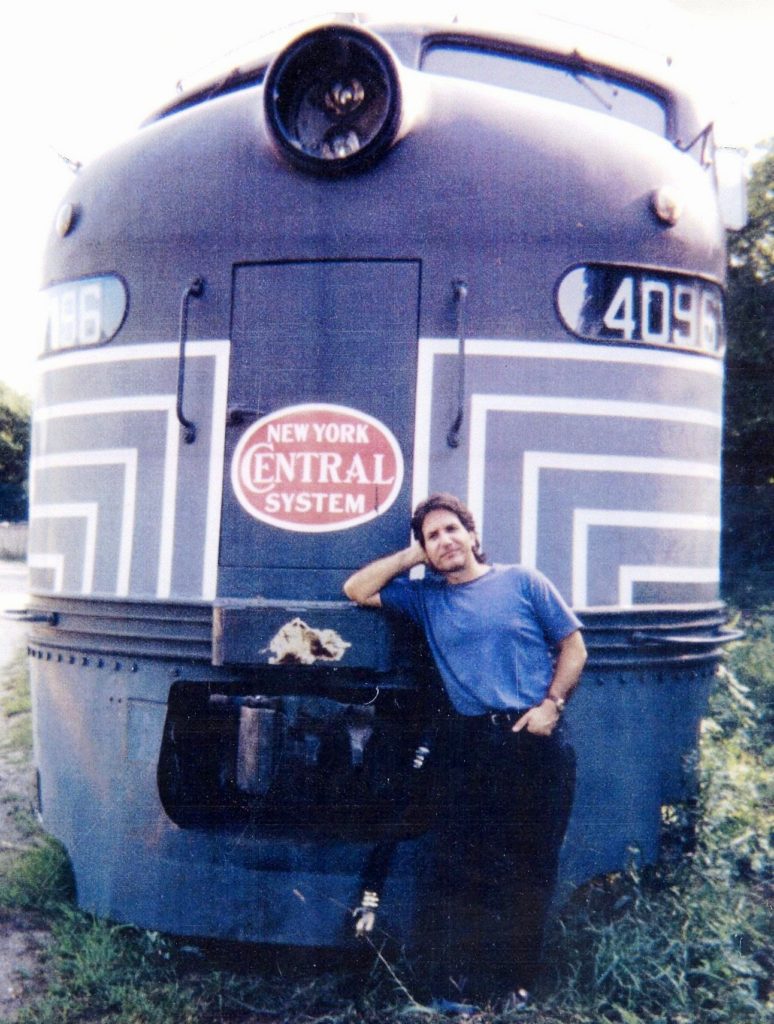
<point x="295" y="303"/>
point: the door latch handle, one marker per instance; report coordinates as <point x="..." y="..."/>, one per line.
<point x="237" y="415"/>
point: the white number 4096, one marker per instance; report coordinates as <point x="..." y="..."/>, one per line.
<point x="665" y="313"/>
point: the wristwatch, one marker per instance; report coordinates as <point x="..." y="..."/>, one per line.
<point x="559" y="701"/>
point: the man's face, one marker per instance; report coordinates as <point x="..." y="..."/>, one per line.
<point x="448" y="545"/>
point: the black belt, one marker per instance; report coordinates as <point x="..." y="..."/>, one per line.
<point x="505" y="718"/>
<point x="499" y="719"/>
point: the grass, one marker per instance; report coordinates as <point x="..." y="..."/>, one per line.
<point x="15" y="707"/>
<point x="686" y="942"/>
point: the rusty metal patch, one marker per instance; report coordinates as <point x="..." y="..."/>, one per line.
<point x="297" y="643"/>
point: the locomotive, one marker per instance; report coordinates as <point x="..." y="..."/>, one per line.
<point x="380" y="261"/>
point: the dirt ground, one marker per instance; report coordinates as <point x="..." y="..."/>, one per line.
<point x="22" y="934"/>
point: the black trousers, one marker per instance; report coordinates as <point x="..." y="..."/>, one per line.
<point x="502" y="802"/>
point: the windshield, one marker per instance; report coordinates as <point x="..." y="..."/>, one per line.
<point x="585" y="88"/>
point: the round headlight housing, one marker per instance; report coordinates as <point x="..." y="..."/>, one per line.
<point x="332" y="100"/>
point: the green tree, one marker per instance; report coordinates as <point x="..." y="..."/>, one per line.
<point x="14" y="453"/>
<point x="748" y="455"/>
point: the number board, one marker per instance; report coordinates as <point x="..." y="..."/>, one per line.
<point x="84" y="312"/>
<point x="604" y="302"/>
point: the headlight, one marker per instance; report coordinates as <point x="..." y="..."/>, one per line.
<point x="332" y="100"/>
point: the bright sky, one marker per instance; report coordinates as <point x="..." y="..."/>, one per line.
<point x="78" y="76"/>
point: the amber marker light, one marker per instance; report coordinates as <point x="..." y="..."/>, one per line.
<point x="667" y="204"/>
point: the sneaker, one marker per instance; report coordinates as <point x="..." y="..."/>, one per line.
<point x="516" y="1002"/>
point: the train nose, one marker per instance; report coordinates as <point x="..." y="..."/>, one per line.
<point x="332" y="100"/>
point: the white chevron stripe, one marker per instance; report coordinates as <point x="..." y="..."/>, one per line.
<point x="86" y="510"/>
<point x="106" y="457"/>
<point x="165" y="404"/>
<point x="217" y="454"/>
<point x="129" y="353"/>
<point x="50" y="562"/>
<point x="429" y="348"/>
<point x="585" y="518"/>
<point x="535" y="461"/>
<point x="628" y="575"/>
<point x="482" y="405"/>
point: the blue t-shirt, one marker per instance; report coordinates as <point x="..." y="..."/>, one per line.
<point x="492" y="638"/>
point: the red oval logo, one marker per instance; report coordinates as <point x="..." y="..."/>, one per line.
<point x="316" y="468"/>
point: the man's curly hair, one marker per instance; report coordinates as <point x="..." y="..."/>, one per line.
<point x="447" y="503"/>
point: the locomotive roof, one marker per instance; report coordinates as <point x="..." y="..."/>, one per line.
<point x="643" y="61"/>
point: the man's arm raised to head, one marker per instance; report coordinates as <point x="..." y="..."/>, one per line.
<point x="364" y="585"/>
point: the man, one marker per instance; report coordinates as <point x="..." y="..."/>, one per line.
<point x="509" y="653"/>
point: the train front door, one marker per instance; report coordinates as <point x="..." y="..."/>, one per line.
<point x="320" y="428"/>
